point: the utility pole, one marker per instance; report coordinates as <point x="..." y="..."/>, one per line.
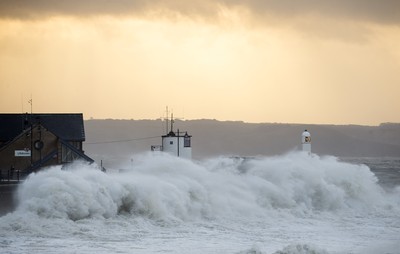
<point x="31" y="122"/>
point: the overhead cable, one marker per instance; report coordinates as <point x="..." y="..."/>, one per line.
<point x="119" y="141"/>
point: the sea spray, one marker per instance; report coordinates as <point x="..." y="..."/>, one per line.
<point x="301" y="249"/>
<point x="77" y="192"/>
<point x="163" y="187"/>
<point x="292" y="203"/>
<point x="315" y="183"/>
<point x="290" y="249"/>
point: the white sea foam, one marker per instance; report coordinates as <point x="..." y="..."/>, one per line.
<point x="164" y="187"/>
<point x="160" y="203"/>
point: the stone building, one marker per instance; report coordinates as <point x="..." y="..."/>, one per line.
<point x="29" y="142"/>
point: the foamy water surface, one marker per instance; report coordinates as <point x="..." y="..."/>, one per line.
<point x="292" y="203"/>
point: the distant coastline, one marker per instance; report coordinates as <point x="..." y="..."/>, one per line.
<point x="218" y="138"/>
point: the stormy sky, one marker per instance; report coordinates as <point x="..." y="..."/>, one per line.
<point x="385" y="11"/>
<point x="303" y="61"/>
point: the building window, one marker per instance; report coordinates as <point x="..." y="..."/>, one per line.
<point x="171" y="142"/>
<point x="67" y="155"/>
<point x="76" y="144"/>
<point x="186" y="142"/>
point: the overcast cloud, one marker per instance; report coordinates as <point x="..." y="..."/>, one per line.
<point x="382" y="11"/>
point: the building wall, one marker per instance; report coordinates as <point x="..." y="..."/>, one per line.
<point x="170" y="145"/>
<point x="25" y="141"/>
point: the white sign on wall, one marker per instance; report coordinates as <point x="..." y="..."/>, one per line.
<point x="22" y="153"/>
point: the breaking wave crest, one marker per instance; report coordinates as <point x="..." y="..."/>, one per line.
<point x="290" y="249"/>
<point x="162" y="187"/>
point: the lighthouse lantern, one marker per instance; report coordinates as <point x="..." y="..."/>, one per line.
<point x="306" y="141"/>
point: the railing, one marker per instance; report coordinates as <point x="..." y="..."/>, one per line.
<point x="76" y="151"/>
<point x="37" y="164"/>
<point x="12" y="176"/>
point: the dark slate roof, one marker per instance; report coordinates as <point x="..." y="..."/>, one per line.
<point x="68" y="127"/>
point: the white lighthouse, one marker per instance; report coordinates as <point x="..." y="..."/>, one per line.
<point x="306" y="141"/>
<point x="176" y="143"/>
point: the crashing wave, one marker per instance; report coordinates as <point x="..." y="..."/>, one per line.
<point x="163" y="187"/>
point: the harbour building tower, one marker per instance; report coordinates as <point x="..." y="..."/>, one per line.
<point x="176" y="143"/>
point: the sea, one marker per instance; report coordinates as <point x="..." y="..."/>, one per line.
<point x="293" y="203"/>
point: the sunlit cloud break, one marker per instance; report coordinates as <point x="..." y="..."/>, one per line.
<point x="255" y="61"/>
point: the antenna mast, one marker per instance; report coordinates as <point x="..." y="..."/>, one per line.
<point x="166" y="119"/>
<point x="22" y="103"/>
<point x="172" y="121"/>
<point x="31" y="102"/>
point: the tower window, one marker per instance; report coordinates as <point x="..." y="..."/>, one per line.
<point x="186" y="142"/>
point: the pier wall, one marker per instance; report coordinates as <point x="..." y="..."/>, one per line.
<point x="8" y="200"/>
